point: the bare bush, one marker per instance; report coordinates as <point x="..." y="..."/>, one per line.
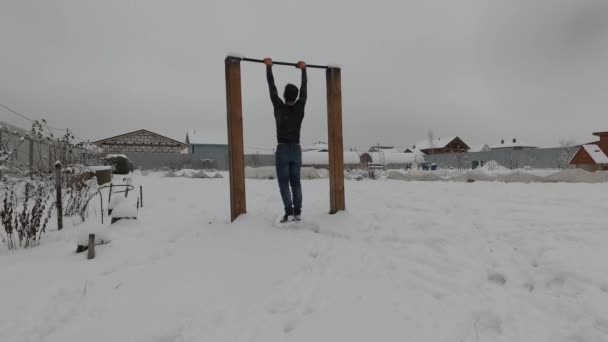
<point x="27" y="220"/>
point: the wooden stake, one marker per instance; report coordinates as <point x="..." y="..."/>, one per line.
<point x="336" y="147"/>
<point x="58" y="204"/>
<point x="236" y="156"/>
<point x="91" y="249"/>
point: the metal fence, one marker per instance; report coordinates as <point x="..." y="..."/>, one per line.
<point x="155" y="160"/>
<point x="542" y="158"/>
<point x="31" y="154"/>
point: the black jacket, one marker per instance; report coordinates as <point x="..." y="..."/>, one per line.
<point x="288" y="118"/>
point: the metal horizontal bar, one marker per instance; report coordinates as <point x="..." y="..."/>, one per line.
<point x="245" y="59"/>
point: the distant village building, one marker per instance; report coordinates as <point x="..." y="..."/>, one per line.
<point x="441" y="146"/>
<point x="590" y="158"/>
<point x="376" y="148"/>
<point x="603" y="143"/>
<point x="317" y="155"/>
<point x="140" y="141"/>
<point x="479" y="148"/>
<point x="512" y="145"/>
<point x="593" y="156"/>
<point x="387" y="157"/>
<point x="211" y="146"/>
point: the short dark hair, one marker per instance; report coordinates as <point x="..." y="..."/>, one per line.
<point x="291" y="93"/>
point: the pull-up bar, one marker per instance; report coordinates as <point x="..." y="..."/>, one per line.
<point x="245" y="59"/>
<point x="236" y="149"/>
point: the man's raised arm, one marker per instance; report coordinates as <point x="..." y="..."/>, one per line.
<point x="274" y="94"/>
<point x="303" y="87"/>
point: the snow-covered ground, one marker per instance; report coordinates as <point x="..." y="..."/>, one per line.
<point x="408" y="261"/>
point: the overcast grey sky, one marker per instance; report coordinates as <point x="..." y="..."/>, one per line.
<point x="480" y="69"/>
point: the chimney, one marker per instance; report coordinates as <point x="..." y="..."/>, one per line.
<point x="603" y="143"/>
<point x="514" y="140"/>
<point x="502" y="141"/>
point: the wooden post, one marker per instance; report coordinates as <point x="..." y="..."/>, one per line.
<point x="336" y="148"/>
<point x="91" y="249"/>
<point x="58" y="200"/>
<point x="236" y="158"/>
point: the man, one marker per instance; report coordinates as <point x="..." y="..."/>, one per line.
<point x="288" y="116"/>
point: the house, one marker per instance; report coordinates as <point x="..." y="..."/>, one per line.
<point x="479" y="148"/>
<point x="512" y="145"/>
<point x="603" y="143"/>
<point x="141" y="141"/>
<point x="441" y="145"/>
<point x="590" y="157"/>
<point x="210" y="145"/>
<point x="318" y="146"/>
<point x="376" y="148"/>
<point x="391" y="158"/>
<point x="317" y="155"/>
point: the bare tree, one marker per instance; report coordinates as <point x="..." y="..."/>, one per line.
<point x="431" y="137"/>
<point x="567" y="142"/>
<point x="569" y="146"/>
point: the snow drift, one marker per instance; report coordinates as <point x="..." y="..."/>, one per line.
<point x="502" y="175"/>
<point x="269" y="172"/>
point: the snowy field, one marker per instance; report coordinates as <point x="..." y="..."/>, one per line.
<point x="408" y="261"/>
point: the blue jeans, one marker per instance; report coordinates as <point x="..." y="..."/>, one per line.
<point x="288" y="161"/>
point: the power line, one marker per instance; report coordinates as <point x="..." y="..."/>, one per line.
<point x="32" y="120"/>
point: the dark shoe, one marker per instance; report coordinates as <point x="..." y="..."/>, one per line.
<point x="285" y="218"/>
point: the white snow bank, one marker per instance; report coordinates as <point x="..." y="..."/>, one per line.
<point x="99" y="168"/>
<point x="124" y="209"/>
<point x="413" y="175"/>
<point x="356" y="174"/>
<point x="102" y="234"/>
<point x="579" y="176"/>
<point x="116" y="200"/>
<point x="269" y="172"/>
<point x="190" y="173"/>
<point x="502" y="175"/>
<point x="114" y="155"/>
<point x="320" y="158"/>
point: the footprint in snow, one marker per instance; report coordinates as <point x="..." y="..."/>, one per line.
<point x="497" y="278"/>
<point x="558" y="280"/>
<point x="290" y="325"/>
<point x="488" y="323"/>
<point x="297" y="225"/>
<point x="438" y="296"/>
<point x="529" y="286"/>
